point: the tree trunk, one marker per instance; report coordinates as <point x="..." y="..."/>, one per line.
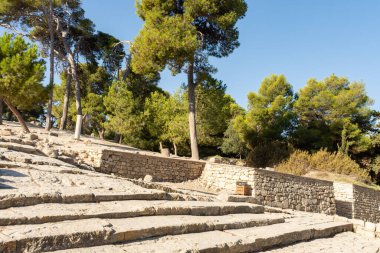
<point x="18" y="115"/>
<point x="73" y="70"/>
<point x="128" y="61"/>
<point x="117" y="138"/>
<point x="74" y="73"/>
<point x="175" y="149"/>
<point x="51" y="82"/>
<point x="66" y="101"/>
<point x="1" y="111"/>
<point x="101" y="133"/>
<point x="192" y="120"/>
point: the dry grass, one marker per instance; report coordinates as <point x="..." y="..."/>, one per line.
<point x="301" y="162"/>
<point x="329" y="176"/>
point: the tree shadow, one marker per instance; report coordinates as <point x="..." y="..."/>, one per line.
<point x="11" y="173"/>
<point x="5" y="186"/>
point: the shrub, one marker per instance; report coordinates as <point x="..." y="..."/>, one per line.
<point x="337" y="162"/>
<point x="268" y="154"/>
<point x="301" y="162"/>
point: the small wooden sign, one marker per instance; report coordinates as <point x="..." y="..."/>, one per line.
<point x="242" y="188"/>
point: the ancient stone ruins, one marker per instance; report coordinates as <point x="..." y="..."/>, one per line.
<point x="59" y="194"/>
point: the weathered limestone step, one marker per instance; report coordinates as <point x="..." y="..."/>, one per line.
<point x="54" y="212"/>
<point x="32" y="158"/>
<point x="28" y="149"/>
<point x="69" y="197"/>
<point x="253" y="239"/>
<point x="8" y="165"/>
<point x="347" y="242"/>
<point x="16" y="140"/>
<point x="92" y="232"/>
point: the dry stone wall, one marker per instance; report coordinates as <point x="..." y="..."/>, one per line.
<point x="134" y="165"/>
<point x="357" y="202"/>
<point x="293" y="192"/>
<point x="344" y="198"/>
<point x="274" y="189"/>
<point x="267" y="187"/>
<point x="366" y="204"/>
<point x="224" y="177"/>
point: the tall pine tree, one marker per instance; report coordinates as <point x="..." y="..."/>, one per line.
<point x="181" y="34"/>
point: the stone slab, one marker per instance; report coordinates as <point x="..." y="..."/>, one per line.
<point x="54" y="212"/>
<point x="92" y="232"/>
<point x="254" y="239"/>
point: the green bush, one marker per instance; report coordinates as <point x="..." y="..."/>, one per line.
<point x="268" y="154"/>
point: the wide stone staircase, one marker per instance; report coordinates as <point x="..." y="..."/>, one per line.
<point x="48" y="205"/>
<point x="156" y="226"/>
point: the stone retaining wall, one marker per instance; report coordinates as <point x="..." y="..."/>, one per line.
<point x="293" y="192"/>
<point x="134" y="165"/>
<point x="357" y="202"/>
<point x="267" y="187"/>
<point x="224" y="177"/>
<point x="274" y="189"/>
<point x="344" y="198"/>
<point x="366" y="204"/>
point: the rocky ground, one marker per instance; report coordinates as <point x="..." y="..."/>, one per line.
<point x="51" y="201"/>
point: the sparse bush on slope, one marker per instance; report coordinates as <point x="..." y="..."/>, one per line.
<point x="301" y="162"/>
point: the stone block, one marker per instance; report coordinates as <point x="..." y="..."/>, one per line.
<point x="32" y="136"/>
<point x="6" y="132"/>
<point x="369" y="226"/>
<point x="148" y="178"/>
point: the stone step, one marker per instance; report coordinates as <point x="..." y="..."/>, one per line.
<point x="252" y="239"/>
<point x="347" y="242"/>
<point x="69" y="197"/>
<point x="27" y="186"/>
<point x="28" y="149"/>
<point x="55" y="212"/>
<point x="20" y="141"/>
<point x="36" y="158"/>
<point x="92" y="232"/>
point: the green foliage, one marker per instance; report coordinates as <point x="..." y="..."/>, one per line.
<point x="95" y="111"/>
<point x="375" y="169"/>
<point x="175" y="30"/>
<point x="213" y="108"/>
<point x="270" y="110"/>
<point x="301" y="162"/>
<point x="93" y="79"/>
<point x="166" y="117"/>
<point x="125" y="105"/>
<point x="232" y="144"/>
<point x="332" y="113"/>
<point x="124" y="117"/>
<point x="94" y="84"/>
<point x="33" y="17"/>
<point x="268" y="154"/>
<point x="178" y="34"/>
<point x="21" y="73"/>
<point x="268" y="121"/>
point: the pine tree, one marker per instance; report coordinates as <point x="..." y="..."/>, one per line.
<point x="181" y="35"/>
<point x="21" y="74"/>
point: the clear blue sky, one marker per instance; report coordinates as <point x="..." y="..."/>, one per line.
<point x="300" y="39"/>
<point x="297" y="38"/>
